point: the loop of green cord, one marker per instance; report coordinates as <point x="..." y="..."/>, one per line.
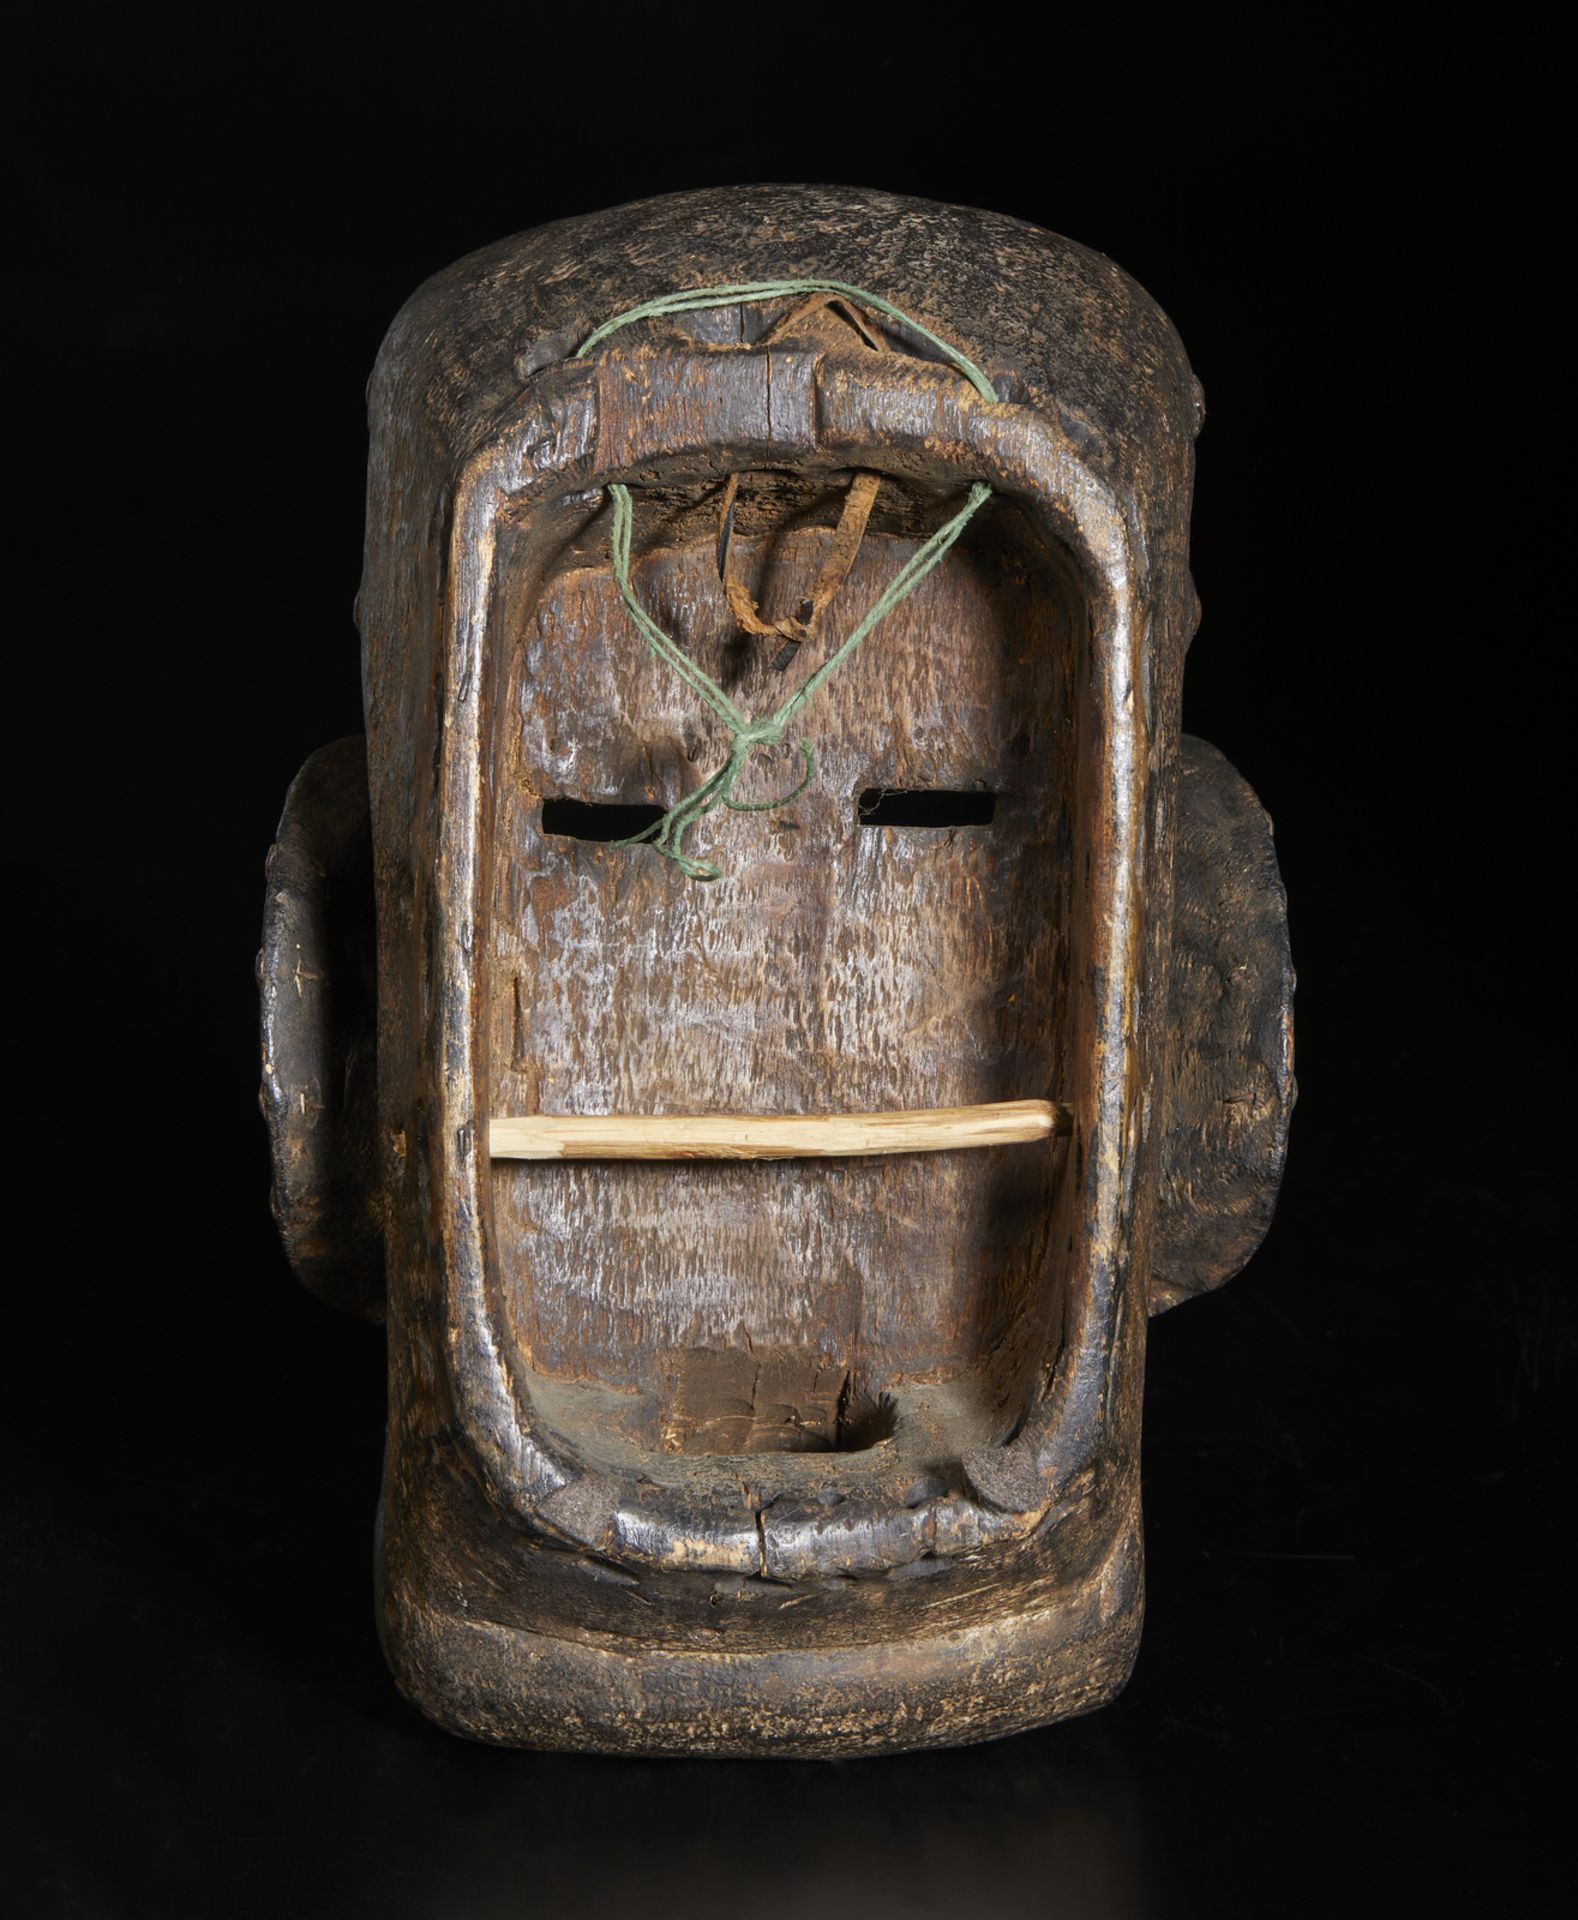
<point x="748" y="293"/>
<point x="665" y="835"/>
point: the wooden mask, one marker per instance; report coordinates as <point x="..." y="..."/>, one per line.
<point x="836" y="1452"/>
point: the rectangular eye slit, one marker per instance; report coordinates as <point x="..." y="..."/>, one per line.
<point x="598" y="819"/>
<point x="925" y="807"/>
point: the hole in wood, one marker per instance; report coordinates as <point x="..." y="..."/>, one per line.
<point x="925" y="807"/>
<point x="865" y="1419"/>
<point x="598" y="819"/>
<point x="770" y="1400"/>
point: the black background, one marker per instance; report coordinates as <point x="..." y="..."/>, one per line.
<point x="1355" y="1679"/>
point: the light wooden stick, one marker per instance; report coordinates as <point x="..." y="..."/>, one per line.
<point x="780" y="1136"/>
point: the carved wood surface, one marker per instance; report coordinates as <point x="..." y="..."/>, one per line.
<point x="1230" y="1088"/>
<point x="843" y="966"/>
<point x="315" y="983"/>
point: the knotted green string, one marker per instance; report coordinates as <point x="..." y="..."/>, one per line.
<point x="666" y="835"/>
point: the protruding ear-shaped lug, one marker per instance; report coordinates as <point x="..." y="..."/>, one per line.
<point x="317" y="985"/>
<point x="1229" y="1084"/>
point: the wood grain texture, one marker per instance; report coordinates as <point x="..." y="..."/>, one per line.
<point x="836" y="966"/>
<point x="800" y="1136"/>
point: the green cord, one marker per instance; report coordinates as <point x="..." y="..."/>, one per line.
<point x="749" y="292"/>
<point x="665" y="835"/>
